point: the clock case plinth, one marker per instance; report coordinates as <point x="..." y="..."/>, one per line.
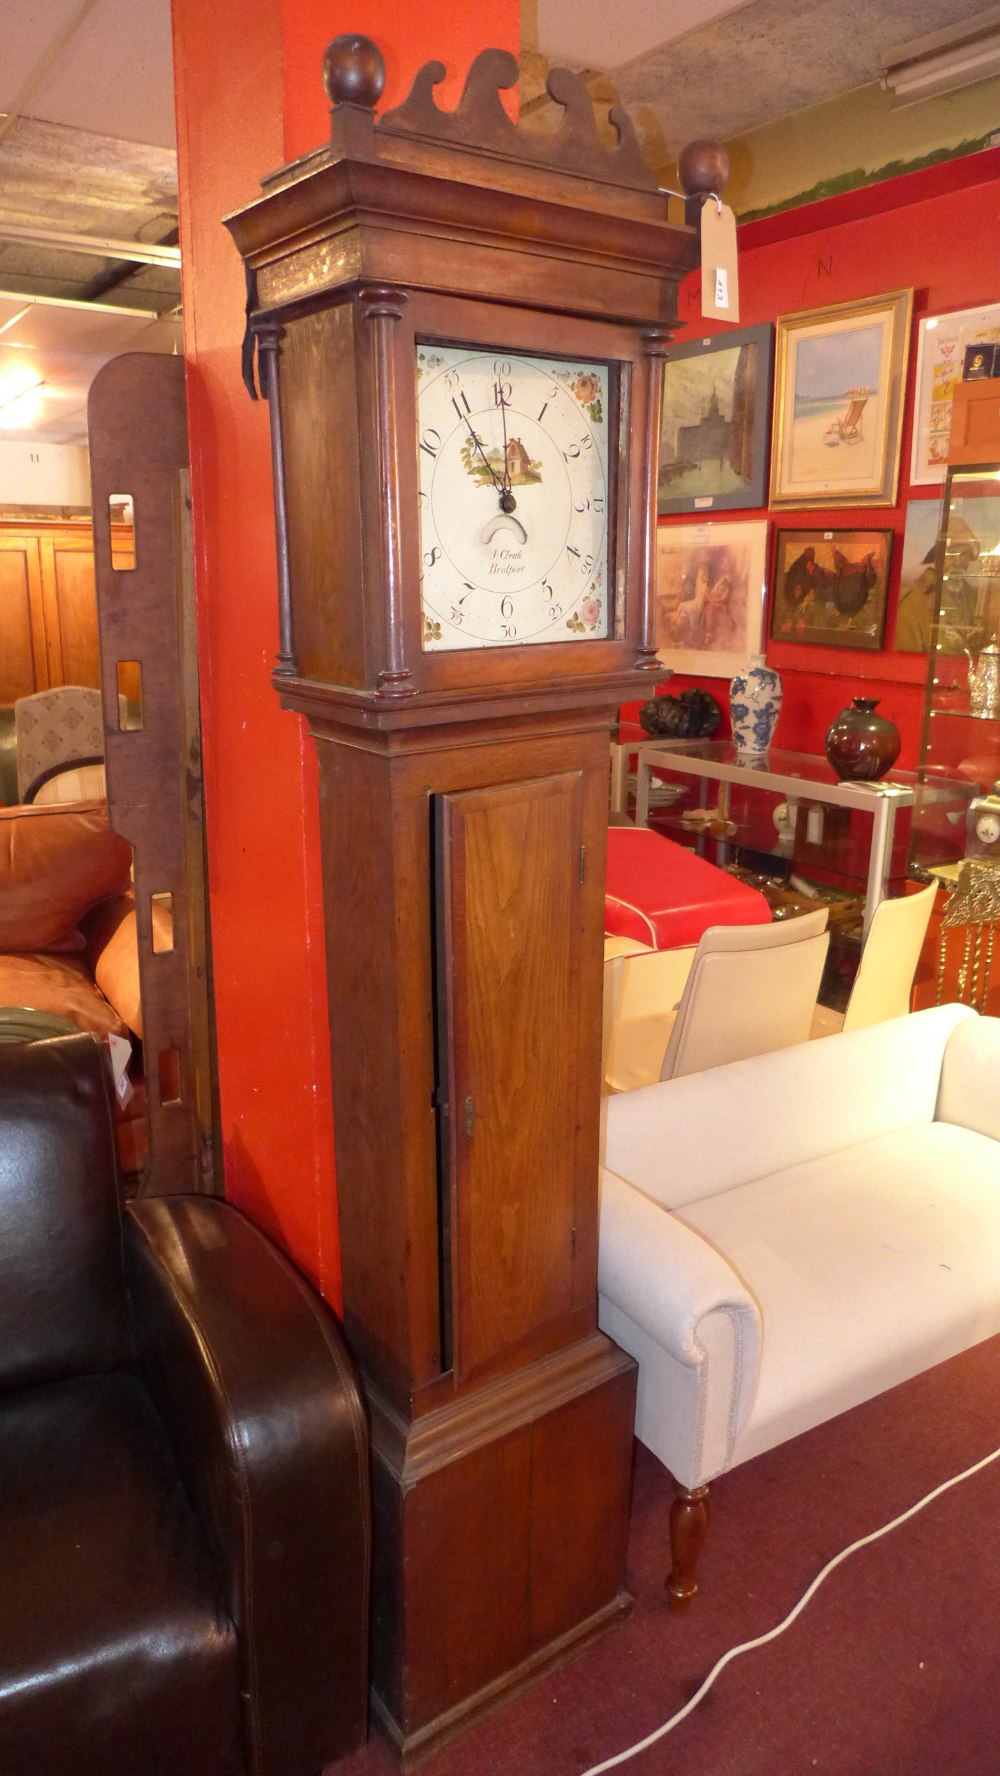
<point x="463" y="802"/>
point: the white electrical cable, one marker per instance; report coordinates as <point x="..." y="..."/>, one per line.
<point x="748" y="1646"/>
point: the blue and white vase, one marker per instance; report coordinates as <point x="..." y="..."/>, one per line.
<point x="754" y="705"/>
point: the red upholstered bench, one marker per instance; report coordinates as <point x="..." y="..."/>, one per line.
<point x="660" y="893"/>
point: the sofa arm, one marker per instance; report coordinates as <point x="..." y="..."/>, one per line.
<point x="248" y="1369"/>
<point x="968" y="1095"/>
<point x="670" y="1281"/>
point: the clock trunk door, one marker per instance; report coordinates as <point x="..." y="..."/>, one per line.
<point x="515" y="917"/>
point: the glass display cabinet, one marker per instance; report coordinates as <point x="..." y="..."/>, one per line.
<point x="960" y="746"/>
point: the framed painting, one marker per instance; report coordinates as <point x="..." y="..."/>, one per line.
<point x="970" y="605"/>
<point x="711" y="581"/>
<point x="830" y="587"/>
<point x="714" y="422"/>
<point x="918" y="580"/>
<point x="840" y="379"/>
<point x="942" y="342"/>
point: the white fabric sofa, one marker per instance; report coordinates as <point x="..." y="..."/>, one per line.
<point x="786" y="1236"/>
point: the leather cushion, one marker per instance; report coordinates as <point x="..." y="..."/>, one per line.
<point x="55" y="863"/>
<point x="59" y="984"/>
<point x="662" y="894"/>
<point x="115" y="1654"/>
<point x="63" y="1310"/>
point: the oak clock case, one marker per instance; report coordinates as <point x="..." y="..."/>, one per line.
<point x="461" y="331"/>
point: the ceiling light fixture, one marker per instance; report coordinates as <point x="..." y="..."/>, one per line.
<point x="945" y="61"/>
<point x="11" y="412"/>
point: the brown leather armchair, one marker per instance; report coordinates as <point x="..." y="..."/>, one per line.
<point x="184" y="1488"/>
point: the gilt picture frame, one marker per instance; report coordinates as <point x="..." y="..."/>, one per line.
<point x="715" y="422"/>
<point x="711" y="584"/>
<point x="839" y="387"/>
<point x="830" y="587"/>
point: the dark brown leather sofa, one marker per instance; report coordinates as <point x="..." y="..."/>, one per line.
<point x="184" y="1516"/>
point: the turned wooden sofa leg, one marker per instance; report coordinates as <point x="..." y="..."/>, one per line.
<point x="688" y="1525"/>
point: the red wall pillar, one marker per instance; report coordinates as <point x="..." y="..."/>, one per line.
<point x="250" y="97"/>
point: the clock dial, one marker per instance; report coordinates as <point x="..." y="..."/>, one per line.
<point x="513" y="498"/>
<point x="988" y="829"/>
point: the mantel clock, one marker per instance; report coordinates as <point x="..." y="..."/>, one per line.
<point x="460" y="327"/>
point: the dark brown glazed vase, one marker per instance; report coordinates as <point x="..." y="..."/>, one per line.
<point x="861" y="745"/>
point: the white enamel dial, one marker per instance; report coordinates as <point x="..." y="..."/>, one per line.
<point x="988" y="829"/>
<point x="513" y="497"/>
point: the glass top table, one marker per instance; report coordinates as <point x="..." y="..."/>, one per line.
<point x="794" y="775"/>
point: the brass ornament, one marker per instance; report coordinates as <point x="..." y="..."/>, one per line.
<point x="974" y="904"/>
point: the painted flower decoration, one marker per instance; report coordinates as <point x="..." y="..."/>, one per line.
<point x="586" y="389"/>
<point x="590" y="611"/>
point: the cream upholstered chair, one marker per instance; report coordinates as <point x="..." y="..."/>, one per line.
<point x="71" y="783"/>
<point x="884" y="981"/>
<point x="616" y="952"/>
<point x="748" y="989"/>
<point x="64" y="726"/>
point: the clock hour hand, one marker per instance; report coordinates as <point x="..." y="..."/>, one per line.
<point x="477" y="441"/>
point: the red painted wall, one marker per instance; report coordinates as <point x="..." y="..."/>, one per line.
<point x="249" y="97"/>
<point x="936" y="231"/>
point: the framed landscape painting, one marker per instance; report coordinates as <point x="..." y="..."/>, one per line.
<point x="710" y="587"/>
<point x="830" y="587"/>
<point x="942" y="341"/>
<point x="714" y="422"/>
<point x="840" y="378"/>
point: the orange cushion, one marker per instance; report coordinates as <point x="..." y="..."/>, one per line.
<point x="58" y="984"/>
<point x="113" y="951"/>
<point x="660" y="893"/>
<point x="55" y="862"/>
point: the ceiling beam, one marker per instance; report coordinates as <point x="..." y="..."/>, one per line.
<point x="100" y="247"/>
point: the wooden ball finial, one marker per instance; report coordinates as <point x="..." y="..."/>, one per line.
<point x="703" y="167"/>
<point x="353" y="71"/>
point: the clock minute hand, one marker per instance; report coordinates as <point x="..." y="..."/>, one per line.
<point x="507" y="501"/>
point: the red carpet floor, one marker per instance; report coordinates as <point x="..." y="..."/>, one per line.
<point x="892" y="1670"/>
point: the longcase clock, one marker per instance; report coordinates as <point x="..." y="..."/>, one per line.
<point x="460" y="327"/>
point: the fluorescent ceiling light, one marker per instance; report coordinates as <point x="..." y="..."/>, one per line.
<point x="946" y="61"/>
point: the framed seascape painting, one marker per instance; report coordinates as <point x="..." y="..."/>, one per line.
<point x="840" y="379"/>
<point x="714" y="422"/>
<point x="710" y="587"/>
<point x="830" y="587"/>
<point x="942" y="342"/>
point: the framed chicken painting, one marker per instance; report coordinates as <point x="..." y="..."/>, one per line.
<point x="830" y="587"/>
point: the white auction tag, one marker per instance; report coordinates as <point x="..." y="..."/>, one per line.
<point x="120" y="1050"/>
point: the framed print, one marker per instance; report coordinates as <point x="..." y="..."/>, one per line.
<point x="918" y="580"/>
<point x="970" y="606"/>
<point x="714" y="422"/>
<point x="710" y="586"/>
<point x="942" y="342"/>
<point x="840" y="379"/>
<point x="830" y="587"/>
